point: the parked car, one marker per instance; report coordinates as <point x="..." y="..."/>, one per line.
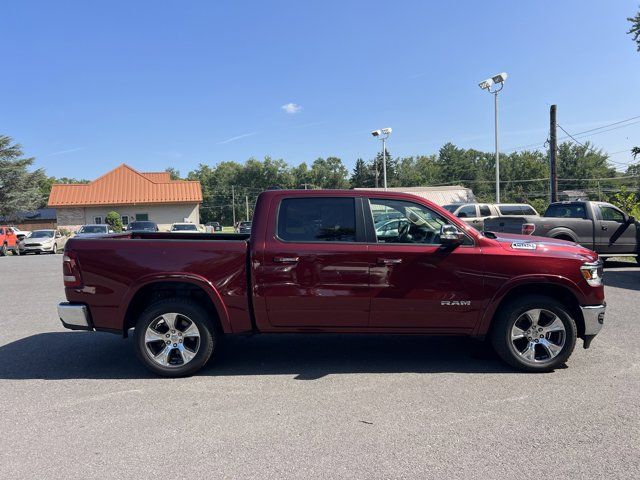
<point x="315" y="264"/>
<point x="94" y="230"/>
<point x="8" y="241"/>
<point x="599" y="226"/>
<point x="184" y="227"/>
<point x="475" y="214"/>
<point x="243" y="227"/>
<point x="212" y="227"/>
<point x="43" y="241"/>
<point x="21" y="234"/>
<point x="142" y="226"/>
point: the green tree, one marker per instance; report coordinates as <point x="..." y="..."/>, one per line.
<point x="361" y="175"/>
<point x="634" y="31"/>
<point x="329" y="173"/>
<point x="174" y="173"/>
<point x="114" y="220"/>
<point x="19" y="188"/>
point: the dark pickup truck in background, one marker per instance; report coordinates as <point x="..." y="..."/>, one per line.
<point x="599" y="226"/>
<point x="314" y="262"/>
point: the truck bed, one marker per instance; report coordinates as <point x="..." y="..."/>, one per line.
<point x="116" y="269"/>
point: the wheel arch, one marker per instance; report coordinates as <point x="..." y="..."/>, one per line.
<point x="562" y="233"/>
<point x="560" y="290"/>
<point x="151" y="290"/>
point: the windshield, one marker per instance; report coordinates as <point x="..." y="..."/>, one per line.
<point x="93" y="229"/>
<point x="184" y="228"/>
<point x="141" y="226"/>
<point x="450" y="208"/>
<point x="245" y="224"/>
<point x="42" y="234"/>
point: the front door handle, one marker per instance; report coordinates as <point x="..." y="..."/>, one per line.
<point x="286" y="259"/>
<point x="604" y="228"/>
<point x="389" y="261"/>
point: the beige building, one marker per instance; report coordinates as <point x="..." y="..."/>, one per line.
<point x="133" y="195"/>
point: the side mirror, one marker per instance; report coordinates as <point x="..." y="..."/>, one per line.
<point x="631" y="219"/>
<point x="450" y="236"/>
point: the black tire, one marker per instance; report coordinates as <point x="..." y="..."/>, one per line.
<point x="16" y="252"/>
<point x="512" y="312"/>
<point x="37" y="253"/>
<point x="54" y="249"/>
<point x="3" y="250"/>
<point x="194" y="312"/>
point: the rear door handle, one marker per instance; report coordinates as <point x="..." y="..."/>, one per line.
<point x="389" y="261"/>
<point x="604" y="228"/>
<point x="286" y="259"/>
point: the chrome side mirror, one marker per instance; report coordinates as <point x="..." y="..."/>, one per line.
<point x="450" y="235"/>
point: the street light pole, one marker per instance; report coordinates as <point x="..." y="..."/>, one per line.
<point x="498" y="82"/>
<point x="495" y="96"/>
<point x="384" y="162"/>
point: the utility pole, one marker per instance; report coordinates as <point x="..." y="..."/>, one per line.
<point x="246" y="202"/>
<point x="233" y="204"/>
<point x="553" y="148"/>
<point x="384" y="162"/>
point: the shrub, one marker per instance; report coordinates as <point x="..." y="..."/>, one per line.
<point x="114" y="221"/>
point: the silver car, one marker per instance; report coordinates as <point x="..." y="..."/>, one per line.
<point x="43" y="241"/>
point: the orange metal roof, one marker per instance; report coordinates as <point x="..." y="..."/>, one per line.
<point x="124" y="186"/>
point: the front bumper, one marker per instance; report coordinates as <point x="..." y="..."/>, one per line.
<point x="75" y="316"/>
<point x="593" y="321"/>
<point x="36" y="248"/>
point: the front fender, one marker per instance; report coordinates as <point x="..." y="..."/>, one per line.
<point x="515" y="282"/>
<point x="197" y="280"/>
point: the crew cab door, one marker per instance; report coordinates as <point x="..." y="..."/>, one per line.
<point x="614" y="233"/>
<point x="415" y="282"/>
<point x="314" y="270"/>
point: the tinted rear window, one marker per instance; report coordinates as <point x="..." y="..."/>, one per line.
<point x="317" y="220"/>
<point x="511" y="210"/>
<point x="566" y="210"/>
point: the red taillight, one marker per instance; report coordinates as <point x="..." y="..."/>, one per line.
<point x="71" y="270"/>
<point x="528" y="228"/>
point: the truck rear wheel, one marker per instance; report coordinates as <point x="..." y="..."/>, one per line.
<point x="534" y="333"/>
<point x="174" y="337"/>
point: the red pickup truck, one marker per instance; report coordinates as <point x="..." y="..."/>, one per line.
<point x="319" y="261"/>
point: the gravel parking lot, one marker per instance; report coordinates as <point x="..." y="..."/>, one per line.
<point x="79" y="405"/>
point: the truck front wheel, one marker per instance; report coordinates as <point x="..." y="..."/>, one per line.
<point x="534" y="333"/>
<point x="174" y="337"/>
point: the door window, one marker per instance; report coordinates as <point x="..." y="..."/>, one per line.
<point x="485" y="211"/>
<point x="611" y="214"/>
<point x="416" y="223"/>
<point x="317" y="219"/>
<point x="468" y="211"/>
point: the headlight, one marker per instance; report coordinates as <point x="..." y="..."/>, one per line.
<point x="592" y="273"/>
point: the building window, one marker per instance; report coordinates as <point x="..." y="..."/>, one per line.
<point x="97" y="220"/>
<point x="142" y="217"/>
<point x="125" y="220"/>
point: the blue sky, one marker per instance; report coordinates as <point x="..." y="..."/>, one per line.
<point x="87" y="85"/>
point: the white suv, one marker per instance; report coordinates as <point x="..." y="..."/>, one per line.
<point x="475" y="213"/>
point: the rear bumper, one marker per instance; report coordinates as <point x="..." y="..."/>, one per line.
<point x="75" y="316"/>
<point x="593" y="319"/>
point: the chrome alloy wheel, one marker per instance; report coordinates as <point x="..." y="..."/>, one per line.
<point x="538" y="336"/>
<point x="172" y="340"/>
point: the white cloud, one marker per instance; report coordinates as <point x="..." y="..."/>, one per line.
<point x="291" y="108"/>
<point x="233" y="139"/>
